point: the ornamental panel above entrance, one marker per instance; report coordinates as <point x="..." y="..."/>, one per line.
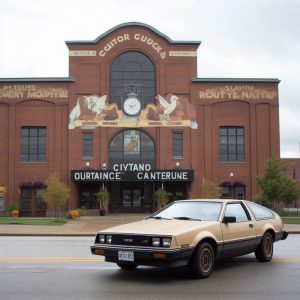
<point x="170" y="111"/>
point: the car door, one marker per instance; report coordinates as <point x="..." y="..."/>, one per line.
<point x="238" y="237"/>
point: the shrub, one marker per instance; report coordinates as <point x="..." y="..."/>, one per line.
<point x="103" y="197"/>
<point x="82" y="212"/>
<point x="74" y="213"/>
<point x="12" y="206"/>
<point x="161" y="197"/>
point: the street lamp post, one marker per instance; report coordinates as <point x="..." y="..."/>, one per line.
<point x="103" y="168"/>
<point x="231" y="185"/>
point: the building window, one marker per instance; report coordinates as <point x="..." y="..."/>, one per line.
<point x="240" y="192"/>
<point x="132" y="70"/>
<point x="132" y="146"/>
<point x="177" y="145"/>
<point x="1" y="203"/>
<point x="25" y="199"/>
<point x="33" y="144"/>
<point x="87" y="143"/>
<point x="41" y="205"/>
<point x="225" y="192"/>
<point x="232" y="145"/>
<point x="233" y="191"/>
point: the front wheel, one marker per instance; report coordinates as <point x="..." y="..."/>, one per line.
<point x="203" y="261"/>
<point x="264" y="252"/>
<point x="127" y="266"/>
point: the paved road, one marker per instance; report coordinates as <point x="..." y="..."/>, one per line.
<point x="63" y="268"/>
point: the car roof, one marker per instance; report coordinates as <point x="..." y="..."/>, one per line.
<point x="212" y="200"/>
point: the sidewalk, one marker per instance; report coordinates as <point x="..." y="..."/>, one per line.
<point x="86" y="226"/>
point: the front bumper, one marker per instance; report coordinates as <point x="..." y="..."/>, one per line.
<point x="146" y="256"/>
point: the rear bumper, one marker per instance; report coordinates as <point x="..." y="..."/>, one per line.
<point x="285" y="235"/>
<point x="145" y="256"/>
<point x="281" y="236"/>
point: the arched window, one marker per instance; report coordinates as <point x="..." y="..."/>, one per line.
<point x="132" y="146"/>
<point x="132" y="72"/>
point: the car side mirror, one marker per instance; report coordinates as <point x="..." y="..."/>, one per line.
<point x="229" y="219"/>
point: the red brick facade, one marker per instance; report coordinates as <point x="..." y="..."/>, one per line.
<point x="203" y="107"/>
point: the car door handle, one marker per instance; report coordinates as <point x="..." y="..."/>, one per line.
<point x="251" y="225"/>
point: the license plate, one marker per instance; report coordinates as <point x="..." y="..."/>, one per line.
<point x="126" y="255"/>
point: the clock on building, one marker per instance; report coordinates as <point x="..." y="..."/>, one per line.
<point x="132" y="105"/>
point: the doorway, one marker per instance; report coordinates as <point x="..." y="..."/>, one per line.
<point x="88" y="196"/>
<point x="132" y="198"/>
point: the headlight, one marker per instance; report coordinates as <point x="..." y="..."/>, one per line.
<point x="156" y="241"/>
<point x="108" y="239"/>
<point x="166" y="242"/>
<point x="101" y="238"/>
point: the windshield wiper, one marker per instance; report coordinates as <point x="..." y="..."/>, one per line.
<point x="186" y="218"/>
<point x="158" y="218"/>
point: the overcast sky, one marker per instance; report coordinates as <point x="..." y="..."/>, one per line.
<point x="240" y="38"/>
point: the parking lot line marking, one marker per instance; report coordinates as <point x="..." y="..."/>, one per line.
<point x="286" y="259"/>
<point x="50" y="259"/>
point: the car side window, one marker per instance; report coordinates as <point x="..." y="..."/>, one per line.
<point x="238" y="211"/>
<point x="260" y="212"/>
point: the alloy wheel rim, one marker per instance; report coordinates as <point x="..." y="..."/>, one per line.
<point x="268" y="246"/>
<point x="205" y="260"/>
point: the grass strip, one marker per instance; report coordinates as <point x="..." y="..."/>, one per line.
<point x="33" y="221"/>
<point x="291" y="220"/>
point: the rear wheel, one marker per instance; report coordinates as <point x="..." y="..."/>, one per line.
<point x="264" y="252"/>
<point x="203" y="261"/>
<point x="127" y="266"/>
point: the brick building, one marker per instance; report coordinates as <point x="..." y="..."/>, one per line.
<point x="131" y="117"/>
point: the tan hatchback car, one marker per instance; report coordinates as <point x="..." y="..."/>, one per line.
<point x="193" y="233"/>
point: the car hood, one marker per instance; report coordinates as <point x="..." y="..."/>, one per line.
<point x="161" y="227"/>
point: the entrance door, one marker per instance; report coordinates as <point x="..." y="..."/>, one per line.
<point x="132" y="198"/>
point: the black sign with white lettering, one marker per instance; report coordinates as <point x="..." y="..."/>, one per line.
<point x="110" y="175"/>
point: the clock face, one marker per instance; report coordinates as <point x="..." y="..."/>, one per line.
<point x="132" y="106"/>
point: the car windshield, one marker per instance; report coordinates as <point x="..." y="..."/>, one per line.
<point x="191" y="210"/>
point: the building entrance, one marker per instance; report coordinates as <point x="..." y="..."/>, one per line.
<point x="129" y="196"/>
<point x="88" y="196"/>
<point x="132" y="198"/>
<point x="135" y="197"/>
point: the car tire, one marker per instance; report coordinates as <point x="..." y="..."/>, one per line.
<point x="203" y="260"/>
<point x="127" y="266"/>
<point x="264" y="252"/>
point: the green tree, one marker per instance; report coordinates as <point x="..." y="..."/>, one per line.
<point x="103" y="197"/>
<point x="275" y="185"/>
<point x="161" y="197"/>
<point x="56" y="193"/>
<point x="210" y="190"/>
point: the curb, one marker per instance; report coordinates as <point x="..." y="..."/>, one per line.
<point x="50" y="234"/>
<point x="78" y="234"/>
